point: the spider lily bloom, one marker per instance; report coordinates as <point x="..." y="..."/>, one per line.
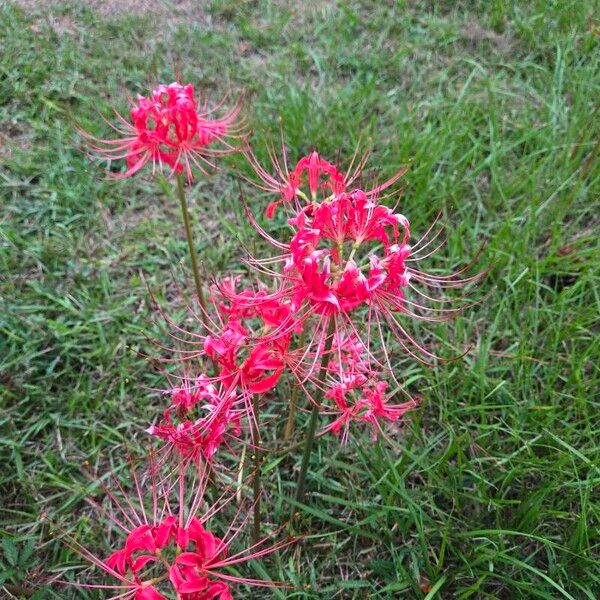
<point x="252" y="303"/>
<point x="312" y="175"/>
<point x="324" y="232"/>
<point x="313" y="179"/>
<point x="255" y="367"/>
<point x="166" y="546"/>
<point x="169" y="128"/>
<point x="350" y="252"/>
<point x="354" y="389"/>
<point x="359" y="399"/>
<point x="252" y="344"/>
<point x="195" y="438"/>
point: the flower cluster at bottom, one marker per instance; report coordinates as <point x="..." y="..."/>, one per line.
<point x="168" y="548"/>
<point x="195" y="551"/>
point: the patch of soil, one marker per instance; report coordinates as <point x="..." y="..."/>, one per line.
<point x="475" y="33"/>
<point x="12" y="137"/>
<point x="114" y="8"/>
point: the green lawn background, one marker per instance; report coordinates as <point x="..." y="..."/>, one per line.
<point x="492" y="489"/>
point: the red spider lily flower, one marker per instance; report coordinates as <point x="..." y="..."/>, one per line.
<point x="169" y="128"/>
<point x="354" y="388"/>
<point x="255" y="367"/>
<point x="250" y="346"/>
<point x="200" y="437"/>
<point x="357" y="399"/>
<point x="249" y="303"/>
<point x="167" y="547"/>
<point x="248" y="342"/>
<point x="315" y="171"/>
<point x="351" y="252"/>
<point x="312" y="179"/>
<point x="312" y="175"/>
<point x="326" y="231"/>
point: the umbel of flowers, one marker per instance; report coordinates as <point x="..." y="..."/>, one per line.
<point x="167" y="545"/>
<point x="318" y="312"/>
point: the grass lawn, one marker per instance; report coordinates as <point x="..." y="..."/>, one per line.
<point x="491" y="490"/>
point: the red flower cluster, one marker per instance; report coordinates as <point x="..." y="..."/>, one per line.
<point x="343" y="279"/>
<point x="167" y="547"/>
<point x="312" y="170"/>
<point x="201" y="437"/>
<point x="250" y="345"/>
<point x="254" y="366"/>
<point x="344" y="274"/>
<point x="357" y="391"/>
<point x="196" y="551"/>
<point x="171" y="129"/>
<point x="333" y="263"/>
<point x="360" y="400"/>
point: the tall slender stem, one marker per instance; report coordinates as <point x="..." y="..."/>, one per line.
<point x="190" y="241"/>
<point x="291" y="420"/>
<point x="257" y="468"/>
<point x="310" y="435"/>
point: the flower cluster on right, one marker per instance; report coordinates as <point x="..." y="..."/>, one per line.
<point x="322" y="307"/>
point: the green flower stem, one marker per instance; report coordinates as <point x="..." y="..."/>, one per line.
<point x="190" y="241"/>
<point x="291" y="420"/>
<point x="257" y="456"/>
<point x="312" y="425"/>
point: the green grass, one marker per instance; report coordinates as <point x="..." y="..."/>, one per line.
<point x="492" y="489"/>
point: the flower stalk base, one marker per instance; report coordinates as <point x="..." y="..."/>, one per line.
<point x="192" y="248"/>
